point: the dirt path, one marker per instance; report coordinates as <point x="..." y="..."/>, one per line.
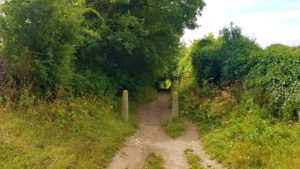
<point x="151" y="138"/>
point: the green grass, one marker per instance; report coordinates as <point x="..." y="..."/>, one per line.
<point x="193" y="159"/>
<point x="174" y="127"/>
<point x="154" y="162"/>
<point x="78" y="133"/>
<point x="243" y="135"/>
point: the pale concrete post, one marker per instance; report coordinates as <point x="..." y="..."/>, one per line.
<point x="125" y="105"/>
<point x="175" y="105"/>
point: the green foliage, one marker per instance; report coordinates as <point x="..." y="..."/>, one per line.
<point x="39" y="38"/>
<point x="243" y="137"/>
<point x="154" y="162"/>
<point x="25" y="101"/>
<point x="253" y="126"/>
<point x="275" y="80"/>
<point x="192" y="96"/>
<point x="73" y="133"/>
<point x="165" y="85"/>
<point x="183" y="71"/>
<point x="145" y="95"/>
<point x="272" y="74"/>
<point x="93" y="84"/>
<point x="135" y="43"/>
<point x="206" y="60"/>
<point x="93" y="47"/>
<point x="174" y="127"/>
<point x="226" y="58"/>
<point x="193" y="159"/>
<point x="250" y="127"/>
<point x="235" y="53"/>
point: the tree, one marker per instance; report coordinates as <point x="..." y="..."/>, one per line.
<point x="40" y="38"/>
<point x="206" y="62"/>
<point x="226" y="58"/>
<point x="95" y="47"/>
<point x="236" y="53"/>
<point x="134" y="42"/>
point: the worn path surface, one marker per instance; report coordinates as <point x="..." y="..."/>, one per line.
<point x="151" y="138"/>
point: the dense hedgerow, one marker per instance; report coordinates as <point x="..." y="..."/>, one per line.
<point x="206" y="60"/>
<point x="238" y="133"/>
<point x="92" y="47"/>
<point x="223" y="59"/>
<point x="236" y="54"/>
<point x="249" y="116"/>
<point x="272" y="74"/>
<point x="39" y="40"/>
<point x="275" y="81"/>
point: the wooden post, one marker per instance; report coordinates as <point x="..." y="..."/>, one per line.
<point x="175" y="105"/>
<point x="125" y="105"/>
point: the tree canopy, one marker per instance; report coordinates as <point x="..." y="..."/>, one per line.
<point x="93" y="47"/>
<point x="271" y="75"/>
<point x="226" y="58"/>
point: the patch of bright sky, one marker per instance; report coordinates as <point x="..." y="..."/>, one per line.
<point x="268" y="21"/>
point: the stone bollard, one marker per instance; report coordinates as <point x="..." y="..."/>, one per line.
<point x="125" y="105"/>
<point x="175" y="105"/>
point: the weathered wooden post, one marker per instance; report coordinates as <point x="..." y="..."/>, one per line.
<point x="125" y="105"/>
<point x="175" y="105"/>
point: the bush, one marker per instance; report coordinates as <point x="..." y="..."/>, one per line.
<point x="235" y="53"/>
<point x="226" y="58"/>
<point x="39" y="39"/>
<point x="192" y="97"/>
<point x="206" y="60"/>
<point x="275" y="80"/>
<point x="93" y="84"/>
<point x="245" y="138"/>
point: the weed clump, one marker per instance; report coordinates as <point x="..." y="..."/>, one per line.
<point x="174" y="127"/>
<point x="154" y="162"/>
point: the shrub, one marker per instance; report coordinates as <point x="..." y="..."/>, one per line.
<point x="93" y="84"/>
<point x="226" y="58"/>
<point x="245" y="138"/>
<point x="235" y="53"/>
<point x="205" y="59"/>
<point x="39" y="39"/>
<point x="275" y="80"/>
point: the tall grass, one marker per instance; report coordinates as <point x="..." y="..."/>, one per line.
<point x="237" y="132"/>
<point x="69" y="133"/>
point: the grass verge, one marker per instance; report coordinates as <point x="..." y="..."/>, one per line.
<point x="154" y="162"/>
<point x="174" y="127"/>
<point x="76" y="133"/>
<point x="242" y="134"/>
